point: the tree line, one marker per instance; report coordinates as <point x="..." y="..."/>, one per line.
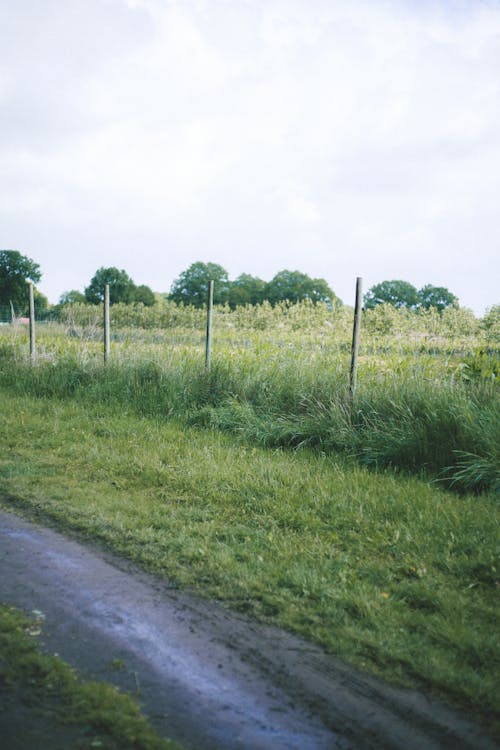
<point x="402" y="294"/>
<point x="191" y="288"/>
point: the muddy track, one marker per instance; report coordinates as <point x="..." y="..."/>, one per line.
<point x="206" y="676"/>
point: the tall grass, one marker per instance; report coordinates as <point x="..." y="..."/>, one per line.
<point x="432" y="409"/>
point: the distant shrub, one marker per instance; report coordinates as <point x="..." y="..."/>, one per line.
<point x="490" y="324"/>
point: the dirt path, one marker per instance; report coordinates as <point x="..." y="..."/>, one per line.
<point x="207" y="677"/>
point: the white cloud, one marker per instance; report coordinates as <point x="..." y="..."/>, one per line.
<point x="277" y="129"/>
<point x="304" y="211"/>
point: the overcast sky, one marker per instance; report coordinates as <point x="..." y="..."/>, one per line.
<point x="341" y="138"/>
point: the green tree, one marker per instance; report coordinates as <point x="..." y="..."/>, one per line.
<point x="71" y="297"/>
<point x="246" y="290"/>
<point x="121" y="286"/>
<point x="191" y="288"/>
<point x="145" y="295"/>
<point x="396" y="293"/>
<point x="295" y="286"/>
<point x="42" y="306"/>
<point x="436" y="296"/>
<point x="15" y="271"/>
<point x="490" y="324"/>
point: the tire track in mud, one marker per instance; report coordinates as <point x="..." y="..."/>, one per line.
<point x="205" y="676"/>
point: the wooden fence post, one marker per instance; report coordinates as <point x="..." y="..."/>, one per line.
<point x="210" y="306"/>
<point x="32" y="323"/>
<point x="355" y="338"/>
<point x="107" y="345"/>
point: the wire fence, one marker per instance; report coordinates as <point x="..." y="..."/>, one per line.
<point x="5" y="314"/>
<point x="135" y="330"/>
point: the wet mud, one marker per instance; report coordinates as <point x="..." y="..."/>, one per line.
<point x="206" y="676"/>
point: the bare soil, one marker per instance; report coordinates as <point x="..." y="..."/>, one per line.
<point x="205" y="676"/>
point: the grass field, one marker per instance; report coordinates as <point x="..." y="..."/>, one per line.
<point x="427" y="400"/>
<point x="384" y="567"/>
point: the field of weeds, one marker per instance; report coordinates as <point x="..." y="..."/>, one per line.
<point x="427" y="400"/>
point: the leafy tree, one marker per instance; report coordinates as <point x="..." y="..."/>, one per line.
<point x="295" y="286"/>
<point x="72" y="297"/>
<point x="436" y="296"/>
<point x="41" y="303"/>
<point x="15" y="271"/>
<point x="246" y="290"/>
<point x="145" y="295"/>
<point x="191" y="288"/>
<point x="121" y="286"/>
<point x="396" y="293"/>
<point x="490" y="323"/>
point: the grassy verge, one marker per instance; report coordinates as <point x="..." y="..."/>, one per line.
<point x="420" y="414"/>
<point x="389" y="572"/>
<point x="43" y="694"/>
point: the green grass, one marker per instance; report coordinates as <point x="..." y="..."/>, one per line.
<point x="428" y="409"/>
<point x="387" y="571"/>
<point x="61" y="709"/>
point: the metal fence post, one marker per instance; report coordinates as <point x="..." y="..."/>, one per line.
<point x="355" y="338"/>
<point x="210" y="306"/>
<point x="107" y="345"/>
<point x="32" y="323"/>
